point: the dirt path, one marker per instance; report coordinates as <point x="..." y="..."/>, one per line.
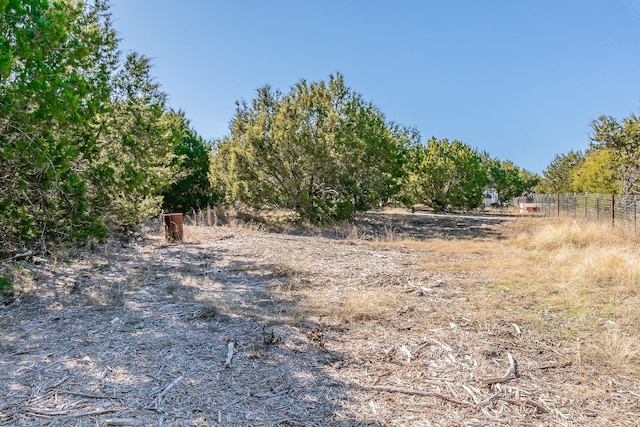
<point x="139" y="334"/>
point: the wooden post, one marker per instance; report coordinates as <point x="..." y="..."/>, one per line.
<point x="613" y="209"/>
<point x="173" y="230"/>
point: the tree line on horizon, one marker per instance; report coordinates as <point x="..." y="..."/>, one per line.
<point x="610" y="165"/>
<point x="89" y="146"/>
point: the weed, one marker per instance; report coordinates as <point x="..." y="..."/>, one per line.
<point x="269" y="338"/>
<point x="285" y="271"/>
<point x="6" y="290"/>
<point x="206" y="312"/>
<point x="613" y="349"/>
<point x="347" y="306"/>
<point x="316" y="336"/>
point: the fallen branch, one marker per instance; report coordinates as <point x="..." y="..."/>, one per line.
<point x="526" y="402"/>
<point x="423" y="393"/>
<point x="67" y="413"/>
<point x="89" y="395"/>
<point x="488" y="400"/>
<point x="510" y="374"/>
<point x="481" y="404"/>
<point x="169" y="387"/>
<point x="554" y="365"/>
<point x="18" y="256"/>
<point x="227" y="363"/>
<point x="120" y="422"/>
<point x="517" y="328"/>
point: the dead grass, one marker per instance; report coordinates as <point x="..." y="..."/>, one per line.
<point x="556" y="233"/>
<point x="397" y="321"/>
<point x="565" y="279"/>
<point x="612" y="349"/>
<point x="345" y="306"/>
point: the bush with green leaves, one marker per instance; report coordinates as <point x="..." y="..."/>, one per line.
<point x="86" y="141"/>
<point x="320" y="150"/>
<point x="53" y="81"/>
<point x="445" y="175"/>
<point x="133" y="161"/>
<point x="191" y="189"/>
<point x="559" y="174"/>
<point x="623" y="139"/>
<point x="509" y="180"/>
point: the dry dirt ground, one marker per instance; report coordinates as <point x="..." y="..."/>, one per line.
<point x="223" y="329"/>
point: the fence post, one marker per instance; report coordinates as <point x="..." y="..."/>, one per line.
<point x="558" y="205"/>
<point x="613" y="209"/>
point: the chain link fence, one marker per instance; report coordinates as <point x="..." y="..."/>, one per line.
<point x="615" y="209"/>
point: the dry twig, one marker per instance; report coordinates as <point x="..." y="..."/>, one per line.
<point x="75" y="393"/>
<point x="68" y="413"/>
<point x="19" y="256"/>
<point x="169" y="387"/>
<point x="423" y="393"/>
<point x="227" y="363"/>
<point x="510" y="374"/>
<point x="526" y="402"/>
<point x="120" y="422"/>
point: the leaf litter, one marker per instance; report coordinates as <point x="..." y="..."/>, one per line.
<point x="241" y="326"/>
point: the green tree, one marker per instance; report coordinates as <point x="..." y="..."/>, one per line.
<point x="509" y="180"/>
<point x="86" y="141"/>
<point x="623" y="138"/>
<point x="598" y="173"/>
<point x="134" y="159"/>
<point x="192" y="189"/>
<point x="558" y="176"/>
<point x="529" y="181"/>
<point x="446" y="175"/>
<point x="54" y="62"/>
<point x="320" y="150"/>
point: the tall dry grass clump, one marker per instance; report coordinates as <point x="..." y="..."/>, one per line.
<point x="568" y="280"/>
<point x="555" y="234"/>
<point x="585" y="256"/>
<point x="611" y="348"/>
<point x="346" y="305"/>
<point x="591" y="272"/>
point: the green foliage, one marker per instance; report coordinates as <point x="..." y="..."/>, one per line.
<point x="136" y="138"/>
<point x="509" y="180"/>
<point x="528" y="181"/>
<point x="558" y="177"/>
<point x="52" y="82"/>
<point x="598" y="173"/>
<point x="191" y="189"/>
<point x="320" y="150"/>
<point x="611" y="165"/>
<point x="6" y="290"/>
<point x="446" y="175"/>
<point x="86" y="143"/>
<point x="623" y="138"/>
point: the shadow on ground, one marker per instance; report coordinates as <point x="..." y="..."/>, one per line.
<point x="142" y="335"/>
<point x="426" y="225"/>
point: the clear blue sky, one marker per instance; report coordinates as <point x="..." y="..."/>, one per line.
<point x="520" y="79"/>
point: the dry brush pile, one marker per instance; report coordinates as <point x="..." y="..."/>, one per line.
<point x="408" y="320"/>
